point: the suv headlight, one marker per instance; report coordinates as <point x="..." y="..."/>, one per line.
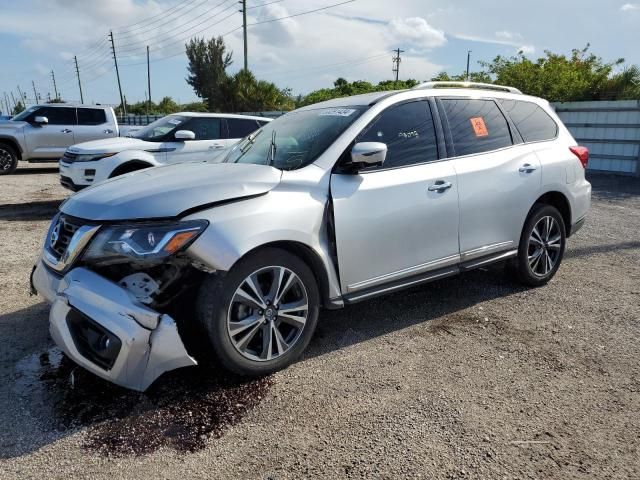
<point x="91" y="157"/>
<point x="142" y="242"/>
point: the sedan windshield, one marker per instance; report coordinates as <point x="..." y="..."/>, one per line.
<point x="295" y="139"/>
<point x="157" y="131"/>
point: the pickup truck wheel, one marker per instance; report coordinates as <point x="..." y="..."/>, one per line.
<point x="541" y="248"/>
<point x="8" y="159"/>
<point x="262" y="314"/>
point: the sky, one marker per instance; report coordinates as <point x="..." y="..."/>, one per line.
<point x="353" y="40"/>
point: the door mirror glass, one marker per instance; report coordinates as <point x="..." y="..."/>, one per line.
<point x="185" y="135"/>
<point x="368" y="154"/>
<point x="41" y="120"/>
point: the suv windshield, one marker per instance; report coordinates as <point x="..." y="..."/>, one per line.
<point x="156" y="131"/>
<point x="295" y="139"/>
<point x="24" y="114"/>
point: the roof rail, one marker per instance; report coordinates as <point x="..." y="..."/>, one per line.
<point x="453" y="84"/>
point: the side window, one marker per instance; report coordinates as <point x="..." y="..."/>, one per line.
<point x="91" y="116"/>
<point x="476" y="125"/>
<point x="409" y="133"/>
<point x="240" y="128"/>
<point x="533" y="123"/>
<point x="205" y="128"/>
<point x="56" y="115"/>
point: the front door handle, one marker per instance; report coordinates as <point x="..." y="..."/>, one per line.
<point x="215" y="146"/>
<point x="527" y="168"/>
<point x="66" y="130"/>
<point x="108" y="130"/>
<point x="440" y="186"/>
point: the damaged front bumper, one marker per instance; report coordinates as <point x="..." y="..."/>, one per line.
<point x="104" y="329"/>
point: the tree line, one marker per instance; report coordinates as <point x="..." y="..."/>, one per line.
<point x="582" y="75"/>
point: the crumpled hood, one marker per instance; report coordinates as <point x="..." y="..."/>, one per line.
<point x="168" y="191"/>
<point x="110" y="145"/>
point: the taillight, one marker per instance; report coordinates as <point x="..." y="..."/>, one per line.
<point x="582" y="153"/>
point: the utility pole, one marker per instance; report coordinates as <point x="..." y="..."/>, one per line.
<point x="6" y="102"/>
<point x="148" y="82"/>
<point x="396" y="62"/>
<point x="55" y="87"/>
<point x="23" y="98"/>
<point x="15" y="105"/>
<point x="75" y="59"/>
<point x="115" y="60"/>
<point x="468" y="60"/>
<point x="244" y="28"/>
<point x="35" y="92"/>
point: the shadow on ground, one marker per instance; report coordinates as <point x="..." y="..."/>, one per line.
<point x="36" y="170"/>
<point x="31" y="211"/>
<point x="186" y="407"/>
<point x="614" y="187"/>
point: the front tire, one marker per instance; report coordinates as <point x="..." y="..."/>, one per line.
<point x="541" y="248"/>
<point x="262" y="314"/>
<point x="8" y="159"/>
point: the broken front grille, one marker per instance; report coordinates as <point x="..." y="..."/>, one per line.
<point x="61" y="235"/>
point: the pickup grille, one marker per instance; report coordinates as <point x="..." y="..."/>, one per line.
<point x="61" y="235"/>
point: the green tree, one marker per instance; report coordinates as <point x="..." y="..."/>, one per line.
<point x="208" y="61"/>
<point x="18" y="108"/>
<point x="342" y="88"/>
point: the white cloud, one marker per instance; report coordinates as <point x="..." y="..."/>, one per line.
<point x="508" y="36"/>
<point x="629" y="7"/>
<point x="527" y="49"/>
<point x="416" y="32"/>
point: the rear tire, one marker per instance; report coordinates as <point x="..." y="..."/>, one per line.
<point x="261" y="315"/>
<point x="8" y="159"/>
<point x="541" y="247"/>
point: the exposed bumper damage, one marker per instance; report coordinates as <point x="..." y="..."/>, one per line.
<point x="103" y="328"/>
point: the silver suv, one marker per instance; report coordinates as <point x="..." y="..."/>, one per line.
<point x="330" y="204"/>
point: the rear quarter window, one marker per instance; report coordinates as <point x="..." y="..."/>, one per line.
<point x="91" y="116"/>
<point x="240" y="128"/>
<point x="533" y="123"/>
<point x="476" y="125"/>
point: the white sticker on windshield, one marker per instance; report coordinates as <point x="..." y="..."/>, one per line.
<point x="174" y="121"/>
<point x="337" y="112"/>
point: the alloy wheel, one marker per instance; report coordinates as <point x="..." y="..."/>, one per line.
<point x="6" y="159"/>
<point x="267" y="313"/>
<point x="545" y="244"/>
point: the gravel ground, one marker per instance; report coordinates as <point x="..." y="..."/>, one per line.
<point x="469" y="377"/>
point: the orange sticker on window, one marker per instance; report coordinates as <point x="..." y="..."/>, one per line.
<point x="479" y="128"/>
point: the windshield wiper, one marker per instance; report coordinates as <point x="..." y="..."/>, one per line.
<point x="272" y="149"/>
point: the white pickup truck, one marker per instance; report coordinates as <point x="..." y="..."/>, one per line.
<point x="42" y="133"/>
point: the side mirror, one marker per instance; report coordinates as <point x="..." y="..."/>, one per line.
<point x="41" y="120"/>
<point x="368" y="154"/>
<point x="185" y="135"/>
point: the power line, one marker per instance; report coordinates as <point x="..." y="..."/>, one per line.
<point x="161" y="14"/>
<point x="301" y="13"/>
<point x="167" y="20"/>
<point x="138" y="45"/>
<point x="190" y="35"/>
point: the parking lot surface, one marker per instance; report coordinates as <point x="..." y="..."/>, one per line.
<point x="469" y="377"/>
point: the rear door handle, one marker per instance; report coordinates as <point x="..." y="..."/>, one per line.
<point x="66" y="130"/>
<point x="440" y="186"/>
<point x="527" y="168"/>
<point x="108" y="130"/>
